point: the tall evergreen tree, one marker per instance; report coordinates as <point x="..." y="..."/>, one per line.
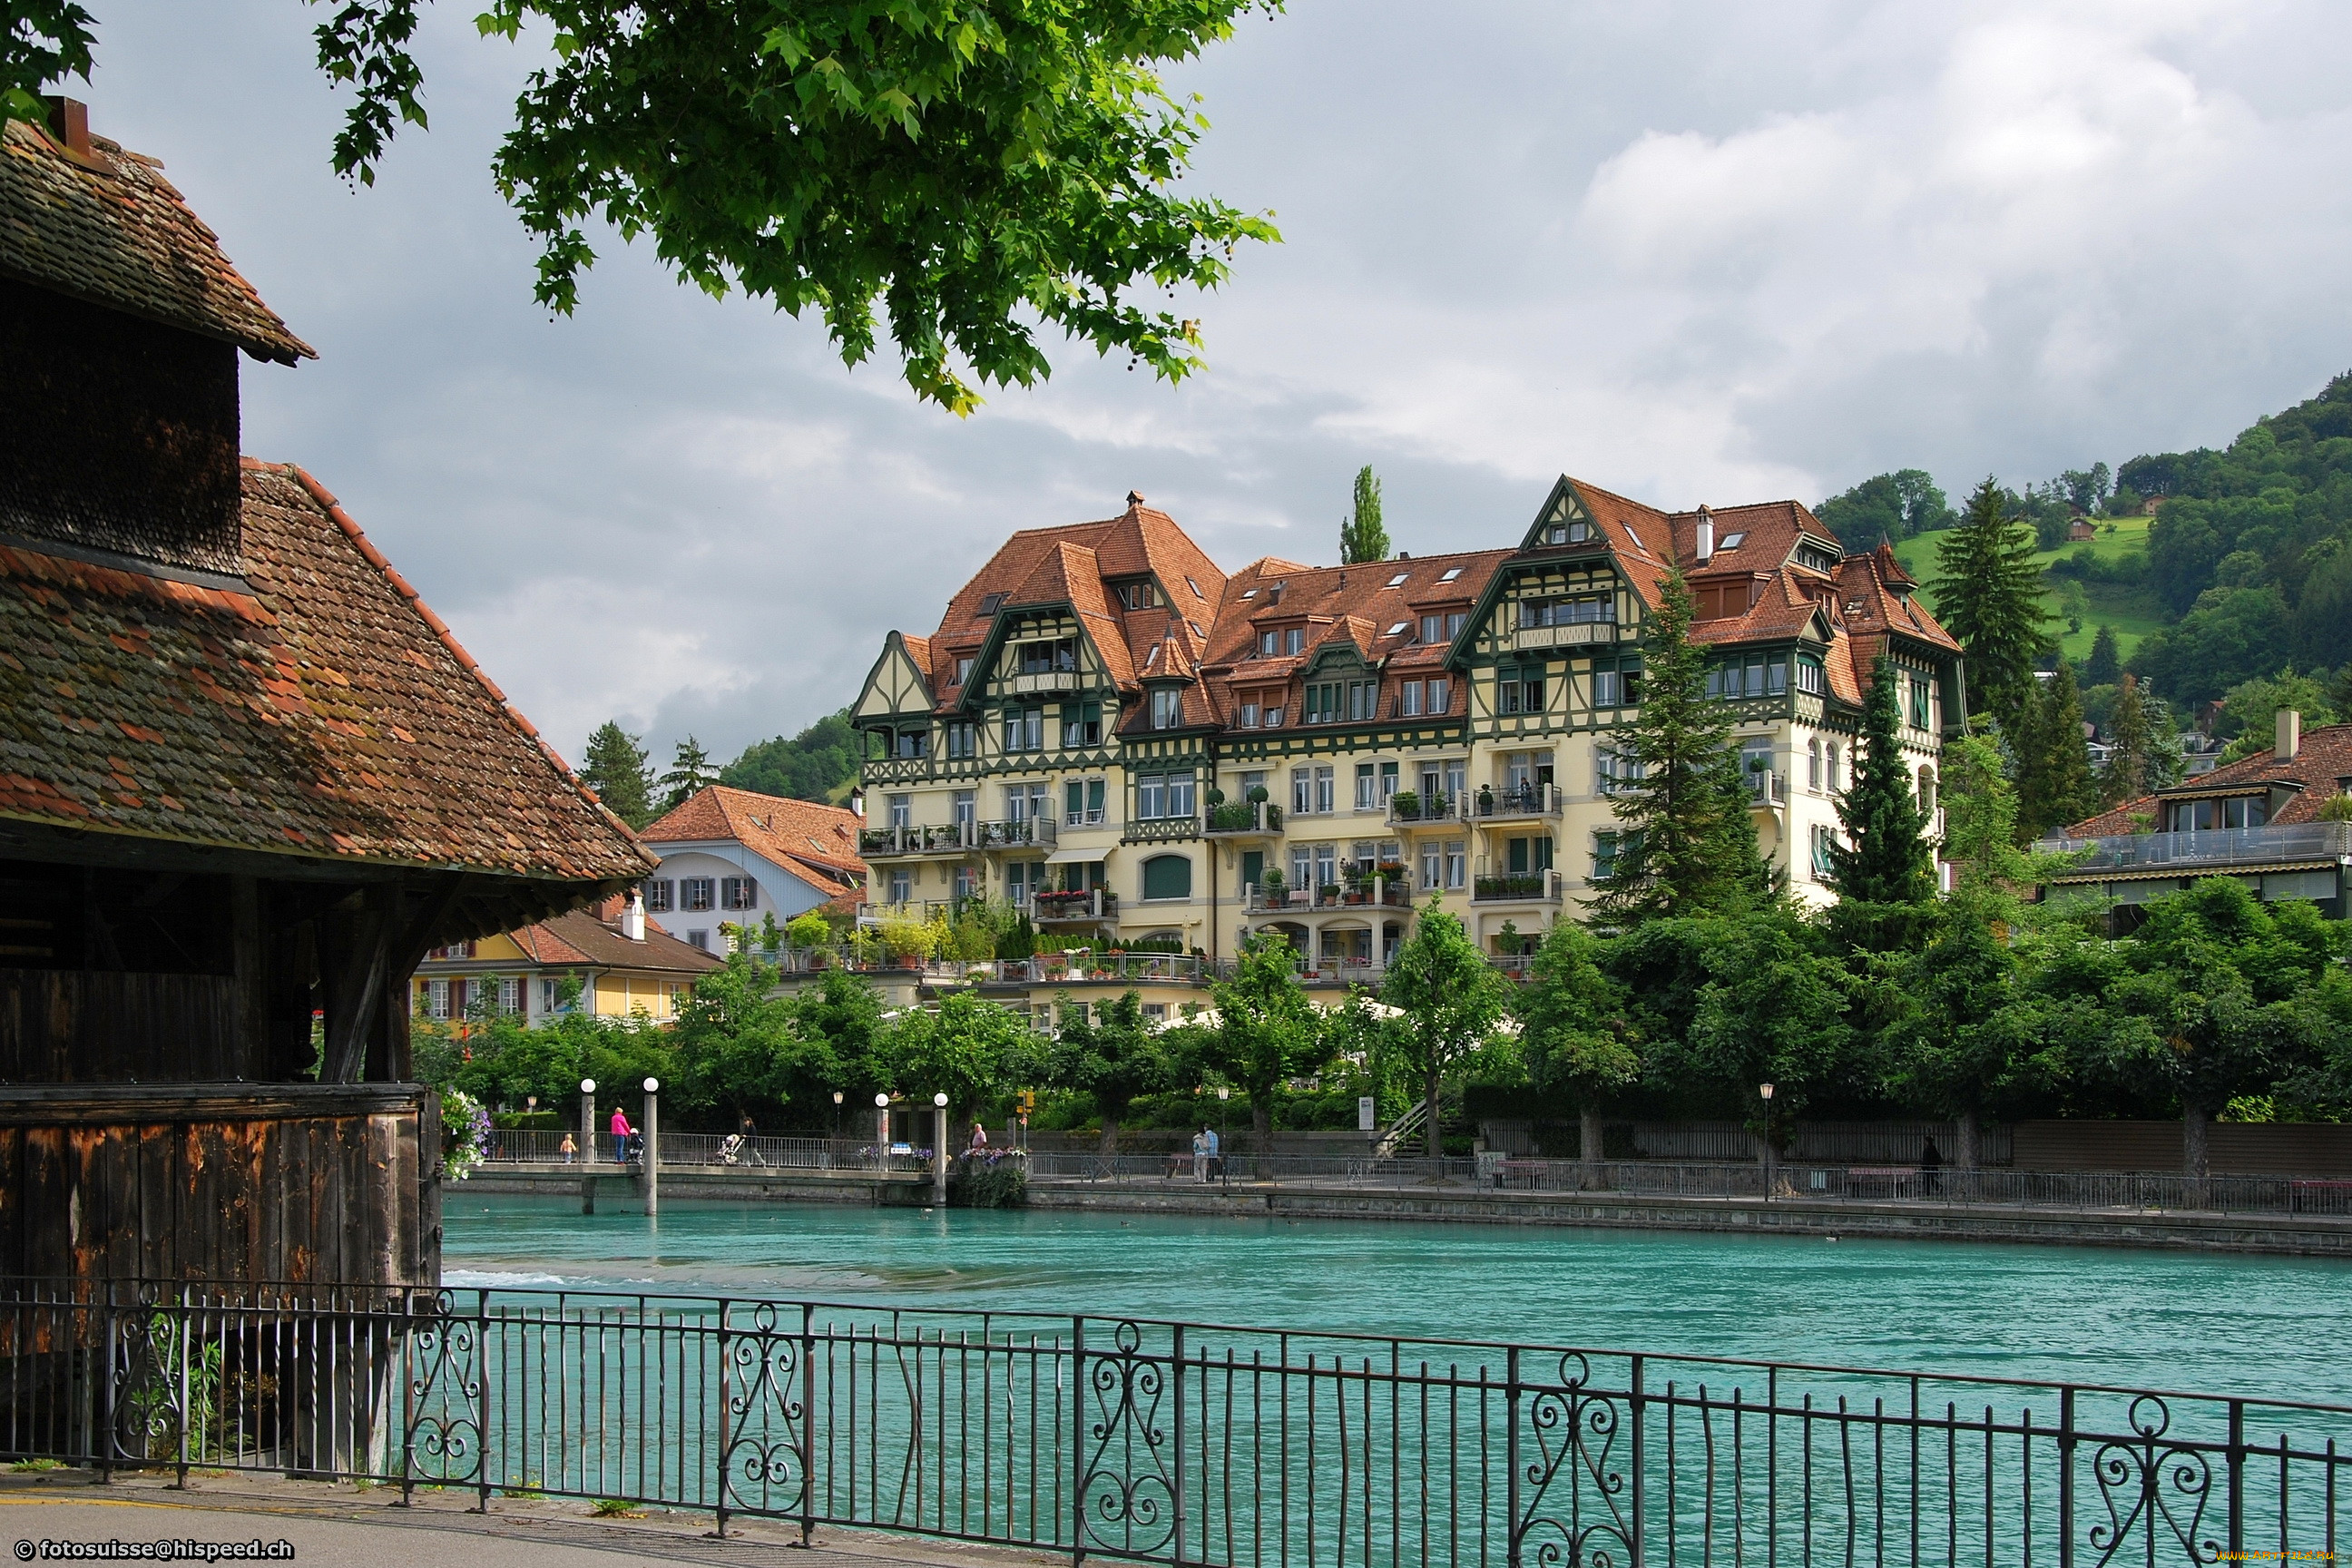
<point x="1361" y="536"/>
<point x="2054" y="763"/>
<point x="617" y="769"/>
<point x="689" y="774"/>
<point x="2105" y="664"/>
<point x="1884" y="872"/>
<point x="1988" y="592"/>
<point x="1685" y="844"/>
<point x="2127" y="774"/>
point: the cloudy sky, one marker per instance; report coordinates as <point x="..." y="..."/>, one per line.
<point x="1692" y="252"/>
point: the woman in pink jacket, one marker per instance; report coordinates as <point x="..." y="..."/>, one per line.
<point x="621" y="1133"/>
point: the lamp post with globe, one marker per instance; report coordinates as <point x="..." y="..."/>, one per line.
<point x="939" y="1149"/>
<point x="1771" y="1152"/>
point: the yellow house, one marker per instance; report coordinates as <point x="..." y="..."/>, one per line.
<point x="607" y="960"/>
<point x="1111" y="732"/>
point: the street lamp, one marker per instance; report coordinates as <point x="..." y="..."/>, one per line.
<point x="1224" y="1105"/>
<point x="1765" y="1090"/>
<point x="836" y="1113"/>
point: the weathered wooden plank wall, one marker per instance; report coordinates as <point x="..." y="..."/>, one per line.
<point x="324" y="1184"/>
<point x="64" y="1026"/>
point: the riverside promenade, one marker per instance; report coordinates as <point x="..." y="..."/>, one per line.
<point x="2235" y="1215"/>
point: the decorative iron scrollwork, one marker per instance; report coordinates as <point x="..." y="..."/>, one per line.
<point x="2146" y="1481"/>
<point x="444" y="1439"/>
<point x="1575" y="1431"/>
<point x="762" y="1470"/>
<point x="1127" y="1497"/>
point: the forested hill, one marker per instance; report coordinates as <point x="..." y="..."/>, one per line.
<point x="2251" y="548"/>
<point x="818" y="763"/>
<point x="2208" y="569"/>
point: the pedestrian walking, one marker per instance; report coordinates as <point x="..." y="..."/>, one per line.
<point x="1210" y="1144"/>
<point x="1201" y="1153"/>
<point x="622" y="1131"/>
<point x="1931" y="1165"/>
<point x="568" y="1149"/>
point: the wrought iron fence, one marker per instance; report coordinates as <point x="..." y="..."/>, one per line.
<point x="1159" y="1442"/>
<point x="545" y="1146"/>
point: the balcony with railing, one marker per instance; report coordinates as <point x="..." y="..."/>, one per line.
<point x="1080" y="907"/>
<point x="1514" y="802"/>
<point x="1022" y="833"/>
<point x="1518" y="888"/>
<point x="1159" y="829"/>
<point x="2300" y="843"/>
<point x="1766" y="787"/>
<point x="883" y="843"/>
<point x="1244" y="819"/>
<point x="1409" y="809"/>
<point x="1373" y="892"/>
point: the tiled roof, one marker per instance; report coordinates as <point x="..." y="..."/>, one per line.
<point x="114" y="232"/>
<point x="327" y="713"/>
<point x="816" y="843"/>
<point x="2322" y="762"/>
<point x="594" y="937"/>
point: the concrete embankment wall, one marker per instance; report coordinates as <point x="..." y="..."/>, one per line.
<point x="2309" y="1236"/>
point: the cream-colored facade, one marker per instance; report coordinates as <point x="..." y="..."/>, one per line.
<point x="601" y="962"/>
<point x="1422" y="731"/>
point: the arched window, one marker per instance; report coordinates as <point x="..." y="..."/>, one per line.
<point x="1168" y="877"/>
<point x="1928" y="789"/>
<point x="1834" y="767"/>
<point x="1814" y="763"/>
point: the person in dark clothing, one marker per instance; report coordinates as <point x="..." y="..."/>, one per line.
<point x="1931" y="1163"/>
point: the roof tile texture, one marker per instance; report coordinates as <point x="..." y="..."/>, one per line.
<point x="2321" y="764"/>
<point x="816" y="843"/>
<point x="118" y="234"/>
<point x="327" y="713"/>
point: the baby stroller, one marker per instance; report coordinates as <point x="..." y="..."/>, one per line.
<point x="732" y="1150"/>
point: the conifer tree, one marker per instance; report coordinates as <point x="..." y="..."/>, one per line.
<point x="2053" y="765"/>
<point x="1988" y="592"/>
<point x="1884" y="872"/>
<point x="1361" y="537"/>
<point x="2126" y="772"/>
<point x="1685" y="844"/>
<point x="689" y="774"/>
<point x="2106" y="663"/>
<point x="615" y="768"/>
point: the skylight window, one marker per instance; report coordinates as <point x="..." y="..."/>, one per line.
<point x="1196" y="589"/>
<point x="1249" y="593"/>
<point x="1450" y="574"/>
<point x="991" y="605"/>
<point x="1399" y="578"/>
<point x="1396" y="628"/>
<point x="1635" y="538"/>
<point x="1196" y="630"/>
<point x="1733" y="541"/>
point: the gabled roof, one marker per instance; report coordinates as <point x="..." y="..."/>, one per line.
<point x="592" y="938"/>
<point x="113" y="231"/>
<point x="2321" y="764"/>
<point x="815" y="843"/>
<point x="328" y="713"/>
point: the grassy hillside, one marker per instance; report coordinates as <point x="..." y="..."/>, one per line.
<point x="2134" y="611"/>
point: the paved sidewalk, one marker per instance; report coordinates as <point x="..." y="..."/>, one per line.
<point x="356" y="1527"/>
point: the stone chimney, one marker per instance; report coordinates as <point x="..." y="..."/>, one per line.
<point x="1706" y="535"/>
<point x="2290" y="735"/>
<point x="633" y="916"/>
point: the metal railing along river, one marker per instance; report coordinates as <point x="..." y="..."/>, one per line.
<point x="539" y="1145"/>
<point x="2115" y="1191"/>
<point x="1154" y="1441"/>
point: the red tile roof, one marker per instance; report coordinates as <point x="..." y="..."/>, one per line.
<point x="327" y="713"/>
<point x="816" y="843"/>
<point x="114" y="232"/>
<point x="592" y="938"/>
<point x="2322" y="764"/>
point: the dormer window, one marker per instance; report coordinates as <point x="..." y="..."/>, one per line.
<point x="2205" y="815"/>
<point x="1141" y="596"/>
<point x="1568" y="534"/>
<point x="962" y="670"/>
<point x="1167" y="708"/>
<point x="1273" y="594"/>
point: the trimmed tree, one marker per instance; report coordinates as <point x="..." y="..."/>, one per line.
<point x="616" y="768"/>
<point x="1987" y="593"/>
<point x="1267" y="1032"/>
<point x="1361" y="536"/>
<point x="1112" y="1053"/>
<point x="1451" y="997"/>
<point x="1577" y="1034"/>
<point x="1685" y="844"/>
<point x="1884" y="871"/>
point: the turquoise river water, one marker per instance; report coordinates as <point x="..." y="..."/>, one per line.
<point x="2219" y="1324"/>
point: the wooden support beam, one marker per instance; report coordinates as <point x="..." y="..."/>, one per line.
<point x="355" y="1008"/>
<point x="249" y="963"/>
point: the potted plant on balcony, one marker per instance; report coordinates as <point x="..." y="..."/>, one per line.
<point x="1327" y="895"/>
<point x="1272" y="889"/>
<point x="1405" y="805"/>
